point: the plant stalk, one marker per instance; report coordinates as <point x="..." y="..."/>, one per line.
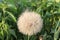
<point x="28" y="37"/>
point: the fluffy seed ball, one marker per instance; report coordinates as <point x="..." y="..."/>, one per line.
<point x="29" y="23"/>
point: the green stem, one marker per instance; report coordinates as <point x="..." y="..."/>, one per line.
<point x="28" y="37"/>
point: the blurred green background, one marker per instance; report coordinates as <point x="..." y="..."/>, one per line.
<point x="11" y="9"/>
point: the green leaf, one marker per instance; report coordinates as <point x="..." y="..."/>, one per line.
<point x="6" y="28"/>
<point x="10" y="1"/>
<point x="33" y="37"/>
<point x="11" y="6"/>
<point x="12" y="32"/>
<point x="12" y="16"/>
<point x="56" y="34"/>
<point x="2" y="33"/>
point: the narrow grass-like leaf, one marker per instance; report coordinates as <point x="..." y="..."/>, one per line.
<point x="12" y="16"/>
<point x="56" y="34"/>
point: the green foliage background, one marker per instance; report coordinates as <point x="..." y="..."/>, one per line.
<point x="11" y="9"/>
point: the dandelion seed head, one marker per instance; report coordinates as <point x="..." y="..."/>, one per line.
<point x="29" y="23"/>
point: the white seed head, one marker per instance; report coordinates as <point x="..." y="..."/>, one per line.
<point x="29" y="23"/>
